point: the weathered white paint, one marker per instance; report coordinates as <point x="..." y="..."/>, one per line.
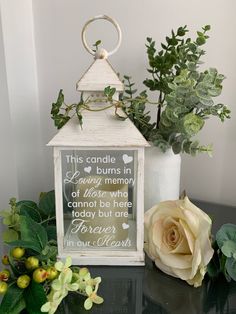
<point x="105" y="53"/>
<point x="100" y="128"/>
<point x="98" y="76"/>
<point x="58" y="199"/>
<point x="105" y="258"/>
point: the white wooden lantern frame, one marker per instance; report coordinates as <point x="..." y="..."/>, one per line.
<point x="103" y="132"/>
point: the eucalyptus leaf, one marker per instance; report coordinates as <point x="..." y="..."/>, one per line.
<point x="225" y="233"/>
<point x="229" y="248"/>
<point x="230" y="266"/>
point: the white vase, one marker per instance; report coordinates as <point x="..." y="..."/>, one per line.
<point x="162" y="176"/>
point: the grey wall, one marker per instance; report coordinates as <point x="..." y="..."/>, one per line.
<point x="58" y="60"/>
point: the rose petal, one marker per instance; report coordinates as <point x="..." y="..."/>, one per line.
<point x="156" y="232"/>
<point x="197" y="280"/>
<point x="189" y="235"/>
<point x="182" y="248"/>
<point x="176" y="260"/>
<point x="192" y="220"/>
<point x="183" y="274"/>
<point x="197" y="258"/>
<point x="201" y="214"/>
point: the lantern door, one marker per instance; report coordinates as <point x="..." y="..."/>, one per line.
<point x="100" y="211"/>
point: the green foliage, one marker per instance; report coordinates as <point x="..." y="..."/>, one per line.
<point x="35" y="297"/>
<point x="13" y="301"/>
<point x="43" y="213"/>
<point x="177" y="53"/>
<point x="11" y="220"/>
<point x="134" y="107"/>
<point x="224" y="259"/>
<point x="96" y="45"/>
<point x="37" y="235"/>
<point x="61" y="112"/>
<point x="59" y="118"/>
<point x="47" y="204"/>
<point x="33" y="235"/>
<point x="29" y="209"/>
<point x="186" y="95"/>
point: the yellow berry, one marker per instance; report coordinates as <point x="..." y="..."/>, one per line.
<point x="39" y="275"/>
<point x="32" y="263"/>
<point x="3" y="287"/>
<point x="51" y="273"/>
<point x="23" y="281"/>
<point x="18" y="252"/>
<point x="5" y="260"/>
<point x="4" y="275"/>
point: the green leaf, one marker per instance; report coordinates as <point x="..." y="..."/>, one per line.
<point x="10" y="235"/>
<point x="207" y="27"/>
<point x="35" y="297"/>
<point x="49" y="253"/>
<point x="5" y="213"/>
<point x="225" y="233"/>
<point x="26" y="244"/>
<point x="229" y="248"/>
<point x="230" y="266"/>
<point x="30" y="209"/>
<point x="31" y="231"/>
<point x="47" y="203"/>
<point x="60" y="120"/>
<point x="212" y="269"/>
<point x="97" y="43"/>
<point x="51" y="232"/>
<point x="56" y="106"/>
<point x="13" y="302"/>
<point x="201" y="41"/>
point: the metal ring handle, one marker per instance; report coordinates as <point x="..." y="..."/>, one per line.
<point x="101" y="17"/>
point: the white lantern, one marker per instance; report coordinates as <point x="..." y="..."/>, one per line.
<point x="99" y="173"/>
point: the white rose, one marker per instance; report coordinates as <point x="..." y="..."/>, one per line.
<point x="177" y="239"/>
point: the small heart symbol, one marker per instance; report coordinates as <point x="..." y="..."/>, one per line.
<point x="88" y="169"/>
<point x="125" y="226"/>
<point x="127" y="159"/>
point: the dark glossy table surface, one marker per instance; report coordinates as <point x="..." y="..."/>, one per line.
<point x="146" y="290"/>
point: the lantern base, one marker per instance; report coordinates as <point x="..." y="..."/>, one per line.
<point x="96" y="258"/>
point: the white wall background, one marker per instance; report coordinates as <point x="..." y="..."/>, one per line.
<point x="41" y="52"/>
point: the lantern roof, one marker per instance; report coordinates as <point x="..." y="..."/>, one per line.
<point x="100" y="129"/>
<point x="98" y="76"/>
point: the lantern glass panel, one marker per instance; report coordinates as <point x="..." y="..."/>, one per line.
<point x="99" y="191"/>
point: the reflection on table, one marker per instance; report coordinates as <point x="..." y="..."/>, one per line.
<point x="146" y="290"/>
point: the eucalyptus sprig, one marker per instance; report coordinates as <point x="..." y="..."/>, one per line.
<point x="224" y="259"/>
<point x="186" y="94"/>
